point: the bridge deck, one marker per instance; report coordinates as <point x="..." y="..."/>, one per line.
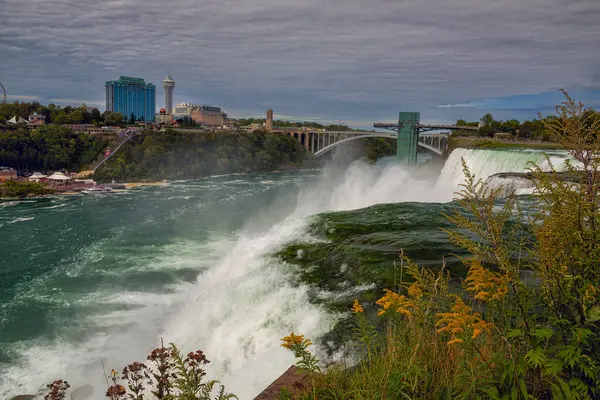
<point x="394" y="126"/>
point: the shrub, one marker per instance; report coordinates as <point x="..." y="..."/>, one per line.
<point x="497" y="335"/>
<point x="168" y="375"/>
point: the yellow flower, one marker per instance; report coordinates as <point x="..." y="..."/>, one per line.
<point x="291" y="341"/>
<point x="357" y="308"/>
<point x="396" y="302"/>
<point x="415" y="291"/>
<point x="453" y="341"/>
<point x="485" y="284"/>
<point x="461" y="321"/>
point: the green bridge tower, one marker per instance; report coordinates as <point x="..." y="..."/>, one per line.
<point x="408" y="134"/>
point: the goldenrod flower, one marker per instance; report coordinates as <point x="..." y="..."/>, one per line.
<point x="357" y="308"/>
<point x="415" y="291"/>
<point x="298" y="345"/>
<point x="396" y="302"/>
<point x="461" y="321"/>
<point x="485" y="284"/>
<point x="291" y="341"/>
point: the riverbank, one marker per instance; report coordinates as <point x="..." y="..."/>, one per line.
<point x="24" y="189"/>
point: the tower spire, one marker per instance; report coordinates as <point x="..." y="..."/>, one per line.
<point x="169" y="86"/>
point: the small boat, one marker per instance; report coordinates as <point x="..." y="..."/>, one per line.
<point x="97" y="190"/>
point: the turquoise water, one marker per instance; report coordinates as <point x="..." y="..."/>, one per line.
<point x="210" y="264"/>
<point x="83" y="275"/>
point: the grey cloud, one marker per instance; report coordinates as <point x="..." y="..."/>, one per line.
<point x="341" y="59"/>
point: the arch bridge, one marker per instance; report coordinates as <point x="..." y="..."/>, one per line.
<point x="411" y="133"/>
<point x="408" y="132"/>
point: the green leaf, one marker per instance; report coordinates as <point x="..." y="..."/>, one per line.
<point x="570" y="354"/>
<point x="553" y="366"/>
<point x="582" y="334"/>
<point x="514" y="395"/>
<point x="593" y="314"/>
<point x="556" y="392"/>
<point x="543" y="333"/>
<point x="535" y="357"/>
<point x="523" y="387"/>
<point x="515" y="333"/>
<point x="564" y="389"/>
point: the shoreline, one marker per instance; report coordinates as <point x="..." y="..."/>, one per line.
<point x="127" y="185"/>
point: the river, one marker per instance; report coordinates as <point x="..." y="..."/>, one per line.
<point x="202" y="264"/>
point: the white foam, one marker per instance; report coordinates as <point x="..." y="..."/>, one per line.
<point x="238" y="308"/>
<point x="22" y="219"/>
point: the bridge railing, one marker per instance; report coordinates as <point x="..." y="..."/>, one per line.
<point x="126" y="135"/>
<point x="394" y="126"/>
<point x="453" y="127"/>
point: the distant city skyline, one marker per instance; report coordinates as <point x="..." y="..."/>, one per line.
<point x="340" y="61"/>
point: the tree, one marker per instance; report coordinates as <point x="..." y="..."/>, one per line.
<point x="61" y="118"/>
<point x="511" y="126"/>
<point x="112" y="118"/>
<point x="47" y="147"/>
<point x="76" y="117"/>
<point x="95" y="116"/>
<point x="487" y="119"/>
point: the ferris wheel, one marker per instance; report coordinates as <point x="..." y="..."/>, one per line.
<point x="3" y="93"/>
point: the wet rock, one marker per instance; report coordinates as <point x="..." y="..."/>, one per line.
<point x="82" y="392"/>
<point x="23" y="397"/>
<point x="292" y="381"/>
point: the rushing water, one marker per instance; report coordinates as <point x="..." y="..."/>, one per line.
<point x="199" y="263"/>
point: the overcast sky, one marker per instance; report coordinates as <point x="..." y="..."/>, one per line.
<point x="354" y="61"/>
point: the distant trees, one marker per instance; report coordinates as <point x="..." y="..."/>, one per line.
<point x="180" y="154"/>
<point x="533" y="129"/>
<point x="188" y="122"/>
<point x="112" y="118"/>
<point x="297" y="124"/>
<point x="55" y="114"/>
<point x="380" y="147"/>
<point x="49" y="147"/>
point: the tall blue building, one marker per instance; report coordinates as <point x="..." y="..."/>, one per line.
<point x="132" y="97"/>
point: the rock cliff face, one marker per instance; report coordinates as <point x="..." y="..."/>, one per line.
<point x="291" y="381"/>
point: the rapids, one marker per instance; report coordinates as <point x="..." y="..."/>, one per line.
<point x="203" y="264"/>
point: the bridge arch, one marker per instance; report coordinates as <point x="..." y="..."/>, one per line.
<point x="330" y="147"/>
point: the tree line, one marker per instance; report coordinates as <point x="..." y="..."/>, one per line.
<point x="293" y="124"/>
<point x="48" y="148"/>
<point x="534" y="129"/>
<point x="55" y="114"/>
<point x="173" y="154"/>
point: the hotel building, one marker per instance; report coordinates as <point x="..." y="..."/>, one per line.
<point x="132" y="97"/>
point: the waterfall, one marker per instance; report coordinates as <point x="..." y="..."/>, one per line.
<point x="485" y="163"/>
